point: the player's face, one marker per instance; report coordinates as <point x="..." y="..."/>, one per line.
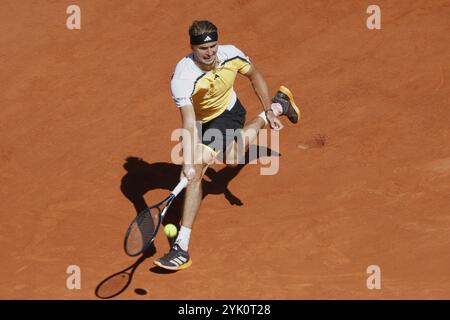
<point x="205" y="53"/>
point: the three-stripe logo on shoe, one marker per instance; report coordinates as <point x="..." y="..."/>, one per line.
<point x="178" y="261"/>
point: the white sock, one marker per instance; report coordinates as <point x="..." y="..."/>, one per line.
<point x="277" y="109"/>
<point x="183" y="238"/>
<point x="263" y="116"/>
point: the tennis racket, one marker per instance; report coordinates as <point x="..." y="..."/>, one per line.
<point x="143" y="229"/>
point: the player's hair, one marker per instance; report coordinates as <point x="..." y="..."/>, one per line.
<point x="199" y="27"/>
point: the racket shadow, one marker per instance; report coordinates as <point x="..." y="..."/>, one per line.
<point x="117" y="283"/>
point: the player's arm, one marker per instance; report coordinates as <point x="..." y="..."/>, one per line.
<point x="260" y="86"/>
<point x="189" y="139"/>
<point x="262" y="92"/>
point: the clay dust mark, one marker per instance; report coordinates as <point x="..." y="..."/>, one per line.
<point x="316" y="142"/>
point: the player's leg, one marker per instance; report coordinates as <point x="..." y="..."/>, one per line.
<point x="250" y="131"/>
<point x="194" y="192"/>
<point x="178" y="257"/>
<point x="244" y="138"/>
<point x="283" y="105"/>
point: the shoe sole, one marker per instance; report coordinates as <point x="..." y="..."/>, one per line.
<point x="183" y="266"/>
<point x="288" y="92"/>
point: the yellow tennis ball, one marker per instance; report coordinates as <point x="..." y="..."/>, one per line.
<point x="170" y="230"/>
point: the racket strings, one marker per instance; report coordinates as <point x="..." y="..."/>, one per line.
<point x="142" y="230"/>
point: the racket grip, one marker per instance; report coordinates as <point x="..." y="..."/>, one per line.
<point x="180" y="186"/>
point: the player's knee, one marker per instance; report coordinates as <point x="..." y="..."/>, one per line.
<point x="234" y="157"/>
<point x="199" y="171"/>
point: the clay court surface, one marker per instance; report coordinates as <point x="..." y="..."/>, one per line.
<point x="363" y="179"/>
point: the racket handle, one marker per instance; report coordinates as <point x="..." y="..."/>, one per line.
<point x="180" y="186"/>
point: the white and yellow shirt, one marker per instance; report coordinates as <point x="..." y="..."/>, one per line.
<point x="209" y="92"/>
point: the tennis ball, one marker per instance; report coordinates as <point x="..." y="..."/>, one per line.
<point x="170" y="230"/>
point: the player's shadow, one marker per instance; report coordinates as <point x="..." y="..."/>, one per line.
<point x="142" y="177"/>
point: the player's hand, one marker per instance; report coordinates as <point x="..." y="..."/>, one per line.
<point x="274" y="122"/>
<point x="188" y="171"/>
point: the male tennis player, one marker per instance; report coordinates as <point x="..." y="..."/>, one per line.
<point x="202" y="88"/>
